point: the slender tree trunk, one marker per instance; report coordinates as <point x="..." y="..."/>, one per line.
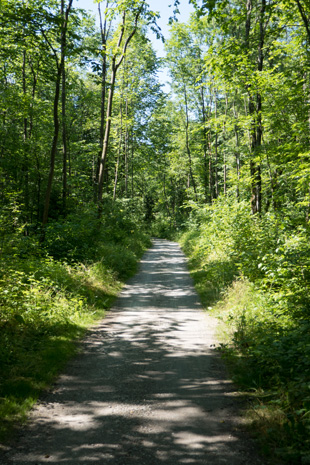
<point x="304" y="17"/>
<point x="204" y="144"/>
<point x="24" y="93"/>
<point x="132" y="165"/>
<point x="126" y="149"/>
<point x="216" y="151"/>
<point x="64" y="126"/>
<point x="224" y="130"/>
<point x="55" y="115"/>
<point x="225" y="176"/>
<point x="259" y="126"/>
<point x="211" y="176"/>
<point x="107" y="134"/>
<point x="26" y="136"/>
<point x="237" y="154"/>
<point x="114" y="66"/>
<point x="252" y="133"/>
<point x="104" y="29"/>
<point x="53" y="149"/>
<point x="116" y="172"/>
<point x="104" y="37"/>
<point x="188" y="150"/>
<point x="216" y="181"/>
<point x="119" y="151"/>
<point x="34" y="86"/>
<point x="238" y="175"/>
<point x="30" y="130"/>
<point x="256" y="113"/>
<point x="211" y="163"/>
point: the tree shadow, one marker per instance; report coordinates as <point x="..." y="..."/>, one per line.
<point x="146" y="387"/>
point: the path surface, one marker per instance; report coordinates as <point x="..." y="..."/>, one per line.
<point x="148" y="388"/>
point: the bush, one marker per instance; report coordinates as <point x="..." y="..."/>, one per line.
<point x="258" y="271"/>
<point x="48" y="299"/>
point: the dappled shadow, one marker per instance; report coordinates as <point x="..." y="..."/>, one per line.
<point x="213" y="278"/>
<point x="147" y="387"/>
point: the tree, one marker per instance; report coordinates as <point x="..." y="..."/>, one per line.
<point x="128" y="10"/>
<point x="60" y="64"/>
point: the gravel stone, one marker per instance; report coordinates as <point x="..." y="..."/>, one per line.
<point x="148" y="386"/>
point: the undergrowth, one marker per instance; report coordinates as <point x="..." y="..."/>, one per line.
<point x="49" y="297"/>
<point x="254" y="275"/>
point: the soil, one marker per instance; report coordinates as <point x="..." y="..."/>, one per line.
<point x="148" y="386"/>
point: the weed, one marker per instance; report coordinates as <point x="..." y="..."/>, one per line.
<point x="48" y="300"/>
<point x="254" y="273"/>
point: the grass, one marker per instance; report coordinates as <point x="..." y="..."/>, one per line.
<point x="46" y="306"/>
<point x="266" y="349"/>
<point x="253" y="345"/>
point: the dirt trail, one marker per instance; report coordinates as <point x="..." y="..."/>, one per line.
<point x="148" y="389"/>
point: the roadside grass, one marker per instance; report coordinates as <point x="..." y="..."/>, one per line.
<point x="267" y="354"/>
<point x="46" y="306"/>
<point x="48" y="300"/>
<point x="260" y="297"/>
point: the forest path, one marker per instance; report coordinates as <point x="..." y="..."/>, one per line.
<point x="147" y="388"/>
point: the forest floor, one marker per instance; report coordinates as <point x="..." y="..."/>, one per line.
<point x="148" y="386"/>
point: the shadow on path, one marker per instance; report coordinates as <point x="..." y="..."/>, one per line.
<point x="147" y="387"/>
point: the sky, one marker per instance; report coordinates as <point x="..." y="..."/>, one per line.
<point x="165" y="12"/>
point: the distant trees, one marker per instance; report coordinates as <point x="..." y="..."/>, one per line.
<point x="242" y="69"/>
<point x="82" y="114"/>
<point x="57" y="77"/>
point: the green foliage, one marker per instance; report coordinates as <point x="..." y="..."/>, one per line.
<point x="47" y="302"/>
<point x="165" y="227"/>
<point x="82" y="236"/>
<point x="268" y="353"/>
<point x="45" y="305"/>
<point x="208" y="243"/>
<point x="255" y="273"/>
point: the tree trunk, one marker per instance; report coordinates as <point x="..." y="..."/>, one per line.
<point x="64" y="126"/>
<point x="53" y="150"/>
<point x="119" y="151"/>
<point x="237" y="154"/>
<point x="188" y="150"/>
<point x="26" y="135"/>
<point x="259" y="127"/>
<point x="104" y="29"/>
<point x="216" y="152"/>
<point x="114" y="66"/>
<point x="107" y="134"/>
<point x="132" y="165"/>
<point x="256" y="113"/>
<point x="126" y="149"/>
<point x="204" y="144"/>
<point x="211" y="177"/>
<point x="304" y="17"/>
<point x="55" y="115"/>
<point x="225" y="176"/>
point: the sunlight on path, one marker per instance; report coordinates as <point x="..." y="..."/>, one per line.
<point x="148" y="387"/>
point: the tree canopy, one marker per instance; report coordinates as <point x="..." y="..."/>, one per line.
<point x="93" y="149"/>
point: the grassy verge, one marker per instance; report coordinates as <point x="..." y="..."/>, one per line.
<point x="259" y="291"/>
<point x="268" y="357"/>
<point x="45" y="307"/>
<point x="47" y="304"/>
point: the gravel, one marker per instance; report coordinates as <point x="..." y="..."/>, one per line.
<point x="148" y="387"/>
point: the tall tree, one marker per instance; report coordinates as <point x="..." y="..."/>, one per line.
<point x="123" y="41"/>
<point x="60" y="63"/>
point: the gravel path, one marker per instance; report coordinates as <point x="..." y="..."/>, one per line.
<point x="148" y="388"/>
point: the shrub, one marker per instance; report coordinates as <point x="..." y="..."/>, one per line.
<point x="258" y="271"/>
